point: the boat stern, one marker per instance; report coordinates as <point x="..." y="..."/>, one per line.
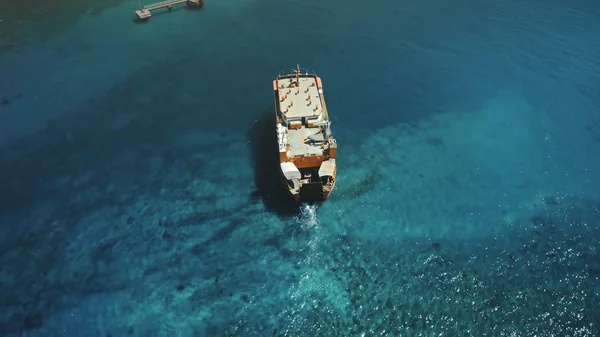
<point x="309" y="184"/>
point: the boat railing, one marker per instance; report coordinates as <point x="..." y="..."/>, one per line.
<point x="162" y="4"/>
<point x="292" y="72"/>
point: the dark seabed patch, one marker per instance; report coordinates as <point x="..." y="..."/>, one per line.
<point x="33" y="21"/>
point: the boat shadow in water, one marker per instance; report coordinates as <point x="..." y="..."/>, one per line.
<point x="265" y="159"/>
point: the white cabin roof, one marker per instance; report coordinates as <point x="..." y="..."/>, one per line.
<point x="327" y="168"/>
<point x="290" y="171"/>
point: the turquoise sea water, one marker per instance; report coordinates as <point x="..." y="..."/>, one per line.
<point x="138" y="196"/>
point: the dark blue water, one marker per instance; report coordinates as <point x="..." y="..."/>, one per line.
<point x="138" y="194"/>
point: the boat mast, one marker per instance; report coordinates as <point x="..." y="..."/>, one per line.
<point x="140" y="4"/>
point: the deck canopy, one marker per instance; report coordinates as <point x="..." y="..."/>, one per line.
<point x="290" y="171"/>
<point x="327" y="168"/>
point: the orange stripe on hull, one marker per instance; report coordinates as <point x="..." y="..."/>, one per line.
<point x="304" y="162"/>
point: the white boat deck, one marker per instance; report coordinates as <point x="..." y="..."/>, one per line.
<point x="299" y="148"/>
<point x="299" y="101"/>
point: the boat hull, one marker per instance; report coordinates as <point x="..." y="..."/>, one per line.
<point x="307" y="148"/>
<point x="306" y="194"/>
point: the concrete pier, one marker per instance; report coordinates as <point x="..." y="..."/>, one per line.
<point x="145" y="11"/>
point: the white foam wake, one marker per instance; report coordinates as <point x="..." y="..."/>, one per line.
<point x="308" y="216"/>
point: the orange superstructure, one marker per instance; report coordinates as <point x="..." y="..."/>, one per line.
<point x="307" y="149"/>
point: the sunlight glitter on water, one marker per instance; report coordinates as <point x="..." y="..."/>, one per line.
<point x="313" y="280"/>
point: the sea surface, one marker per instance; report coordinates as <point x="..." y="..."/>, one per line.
<point x="138" y="170"/>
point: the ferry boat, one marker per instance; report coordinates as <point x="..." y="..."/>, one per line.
<point x="307" y="149"/>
